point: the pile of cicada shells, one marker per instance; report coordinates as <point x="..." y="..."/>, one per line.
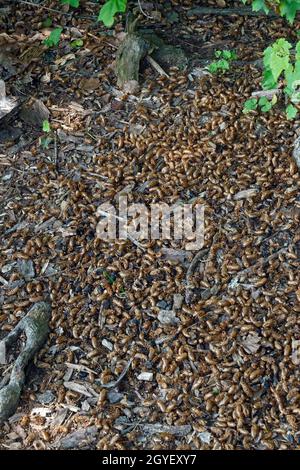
<point x="221" y="371"/>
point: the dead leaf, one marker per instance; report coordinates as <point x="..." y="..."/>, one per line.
<point x="296" y="352"/>
<point x="90" y="84"/>
<point x="245" y="194"/>
<point x="251" y="343"/>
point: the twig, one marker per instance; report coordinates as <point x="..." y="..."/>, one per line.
<point x="189" y="285"/>
<point x="267" y="93"/>
<point x="261" y="262"/>
<point x="143" y="12"/>
<point x="114" y="383"/>
<point x="55" y="152"/>
<point x="130" y="237"/>
<point x="156" y="66"/>
<point x="201" y="11"/>
<point x="37" y="5"/>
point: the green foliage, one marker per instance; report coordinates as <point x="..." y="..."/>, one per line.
<point x="285" y="8"/>
<point x="47" y="22"/>
<point x="72" y="3"/>
<point x="277" y="57"/>
<point x="110" y="9"/>
<point x="46" y="139"/>
<point x="223" y="63"/>
<point x="54" y="38"/>
<point x="46" y="126"/>
<point x="291" y="111"/>
<point x="250" y="105"/>
<point x="76" y="43"/>
<point x="281" y="69"/>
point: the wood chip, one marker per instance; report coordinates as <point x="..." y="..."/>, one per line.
<point x="147" y="376"/>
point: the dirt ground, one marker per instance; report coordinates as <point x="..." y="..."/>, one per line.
<point x="224" y="374"/>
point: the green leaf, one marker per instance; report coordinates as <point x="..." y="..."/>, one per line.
<point x="46" y="126"/>
<point x="265" y="104"/>
<point x="76" y="43"/>
<point x="280" y="57"/>
<point x="53" y="38"/>
<point x="297" y="57"/>
<point x="45" y="142"/>
<point x="288" y="9"/>
<point x="258" y="5"/>
<point x="218" y="54"/>
<point x="223" y="64"/>
<point x="173" y="17"/>
<point x="268" y="82"/>
<point x="213" y="67"/>
<point x="291" y="111"/>
<point x="109" y="9"/>
<point x="250" y="105"/>
<point x="47" y="23"/>
<point x="267" y="56"/>
<point x="229" y="55"/>
<point x="72" y="3"/>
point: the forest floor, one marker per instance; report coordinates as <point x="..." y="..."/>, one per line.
<point x="223" y="366"/>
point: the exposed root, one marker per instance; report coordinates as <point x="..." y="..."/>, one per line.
<point x="35" y="326"/>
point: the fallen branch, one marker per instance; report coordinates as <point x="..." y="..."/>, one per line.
<point x="156" y="66"/>
<point x="296" y="152"/>
<point x="189" y="293"/>
<point x="201" y="11"/>
<point x="116" y="382"/>
<point x="261" y="262"/>
<point x="35" y="327"/>
<point x="266" y="93"/>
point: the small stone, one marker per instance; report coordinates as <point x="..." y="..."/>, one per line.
<point x="177" y="301"/>
<point x="162" y="304"/>
<point x="26" y="268"/>
<point x="107" y="344"/>
<point x="85" y="406"/>
<point x="34" y="112"/>
<point x="245" y="194"/>
<point x="46" y="397"/>
<point x="117" y="105"/>
<point x="205" y="437"/>
<point x="167" y="317"/>
<point x="131" y="87"/>
<point x="147" y="376"/>
<point x="114" y="397"/>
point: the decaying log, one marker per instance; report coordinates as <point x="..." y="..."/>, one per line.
<point x="133" y="49"/>
<point x="35" y="327"/>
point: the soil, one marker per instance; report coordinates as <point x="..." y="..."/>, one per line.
<point x="115" y="373"/>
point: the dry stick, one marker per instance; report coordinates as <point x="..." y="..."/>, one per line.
<point x="133" y="240"/>
<point x="114" y="383"/>
<point x="143" y="12"/>
<point x="261" y="262"/>
<point x="200" y="11"/>
<point x="37" y="5"/>
<point x="156" y="66"/>
<point x="190" y="272"/>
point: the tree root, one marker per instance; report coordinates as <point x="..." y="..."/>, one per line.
<point x="36" y="329"/>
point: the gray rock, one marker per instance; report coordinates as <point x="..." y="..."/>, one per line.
<point x="167" y="317"/>
<point x="46" y="397"/>
<point x="26" y="268"/>
<point x="114" y="396"/>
